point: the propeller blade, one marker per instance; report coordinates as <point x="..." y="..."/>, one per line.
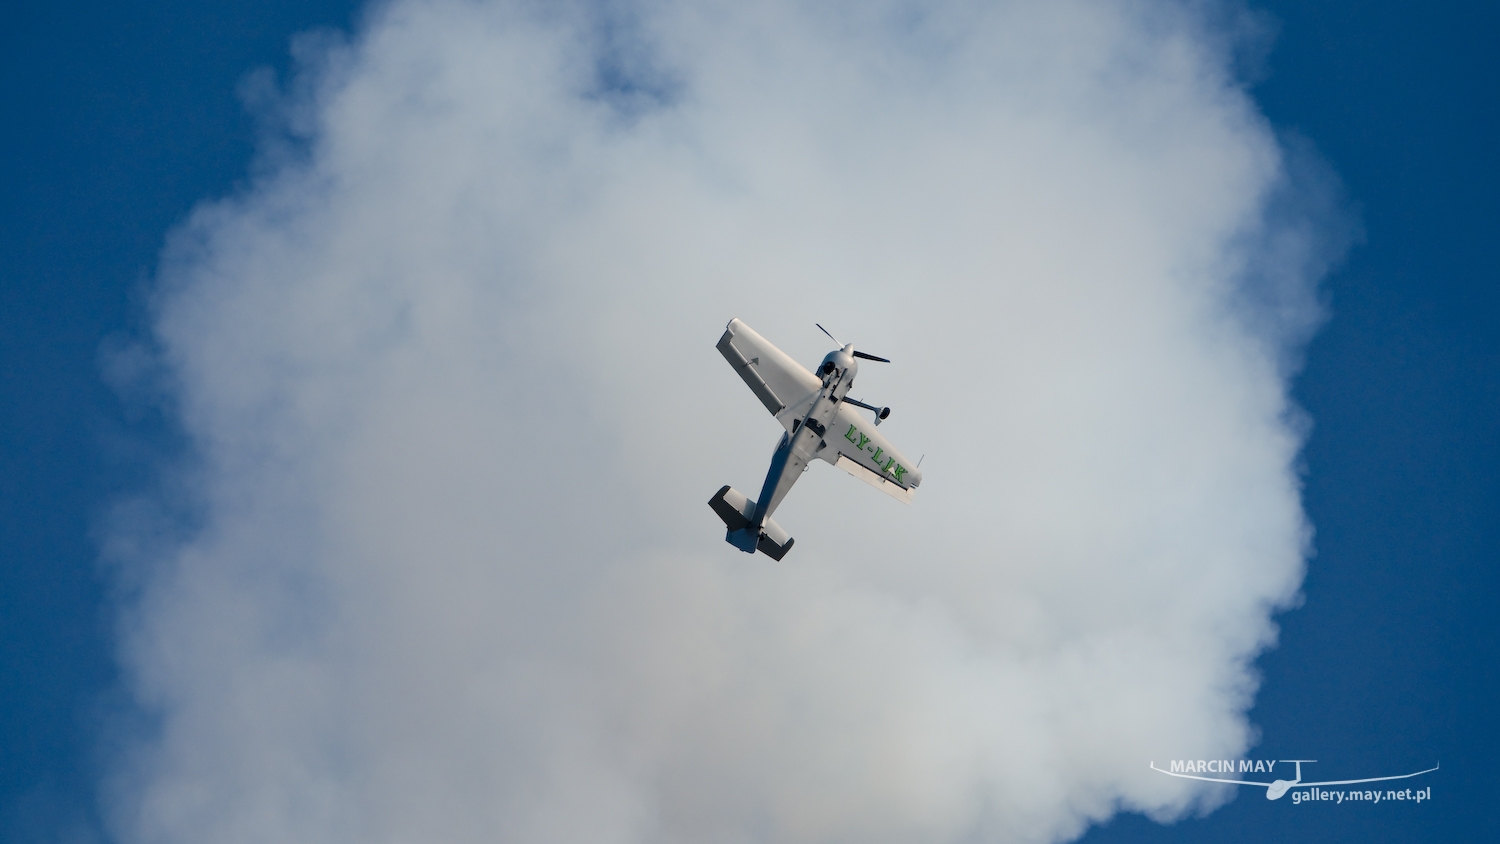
<point x="868" y="357"/>
<point x="830" y="336"/>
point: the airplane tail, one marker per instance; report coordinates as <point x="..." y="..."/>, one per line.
<point x="737" y="511"/>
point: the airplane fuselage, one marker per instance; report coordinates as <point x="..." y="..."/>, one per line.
<point x="809" y="436"/>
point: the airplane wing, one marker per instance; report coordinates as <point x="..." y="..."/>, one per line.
<point x="784" y="386"/>
<point x="1370" y="779"/>
<point x="1212" y="779"/>
<point x="861" y="451"/>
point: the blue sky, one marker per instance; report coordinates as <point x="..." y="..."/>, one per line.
<point x="123" y="119"/>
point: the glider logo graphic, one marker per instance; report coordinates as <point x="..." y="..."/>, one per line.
<point x="891" y="466"/>
<point x="1191" y="768"/>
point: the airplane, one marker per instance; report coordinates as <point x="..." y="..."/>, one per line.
<point x="1277" y="788"/>
<point x="820" y="422"/>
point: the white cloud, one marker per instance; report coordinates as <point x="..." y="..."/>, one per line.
<point x="456" y="411"/>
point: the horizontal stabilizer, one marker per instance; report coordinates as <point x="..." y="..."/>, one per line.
<point x="736" y="511"/>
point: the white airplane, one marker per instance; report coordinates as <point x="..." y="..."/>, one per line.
<point x="820" y="422"/>
<point x="1277" y="788"/>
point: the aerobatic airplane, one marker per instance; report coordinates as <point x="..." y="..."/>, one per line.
<point x="820" y="422"/>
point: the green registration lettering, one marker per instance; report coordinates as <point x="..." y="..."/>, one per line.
<point x="889" y="463"/>
<point x="900" y="470"/>
<point x="877" y="455"/>
<point x="862" y="440"/>
<point x="850" y="435"/>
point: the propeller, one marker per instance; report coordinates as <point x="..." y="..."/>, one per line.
<point x="862" y="355"/>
